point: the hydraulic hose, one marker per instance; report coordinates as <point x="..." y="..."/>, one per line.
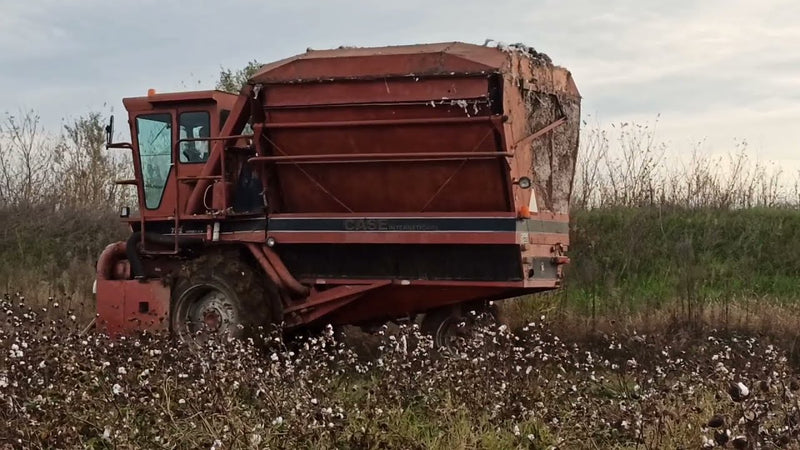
<point x="108" y="258"/>
<point x="132" y="252"/>
<point x="288" y="280"/>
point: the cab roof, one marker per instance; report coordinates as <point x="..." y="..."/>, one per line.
<point x="149" y="101"/>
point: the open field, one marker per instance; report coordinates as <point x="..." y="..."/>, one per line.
<point x="662" y="310"/>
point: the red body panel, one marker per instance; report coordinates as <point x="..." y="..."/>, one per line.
<point x="125" y="305"/>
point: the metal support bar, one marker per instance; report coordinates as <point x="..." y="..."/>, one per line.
<point x="526" y="140"/>
<point x="327" y="301"/>
<point x="191" y="179"/>
<point x="373" y="157"/>
<point x="323" y="310"/>
<point x="482" y="100"/>
<point x="404" y="160"/>
<point x="393" y="122"/>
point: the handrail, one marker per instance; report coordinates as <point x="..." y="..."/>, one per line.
<point x="221" y="177"/>
<point x="217" y="138"/>
<point x="190" y="179"/>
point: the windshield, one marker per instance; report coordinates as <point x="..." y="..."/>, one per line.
<point x="154" y="134"/>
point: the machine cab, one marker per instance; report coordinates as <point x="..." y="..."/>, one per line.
<point x="159" y="121"/>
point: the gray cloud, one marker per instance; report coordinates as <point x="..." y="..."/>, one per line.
<point x="715" y="69"/>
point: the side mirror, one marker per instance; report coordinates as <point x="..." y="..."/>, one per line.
<point x="109" y="131"/>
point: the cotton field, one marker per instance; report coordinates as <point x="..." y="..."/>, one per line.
<point x="497" y="388"/>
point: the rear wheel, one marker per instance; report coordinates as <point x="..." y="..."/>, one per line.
<point x="447" y="326"/>
<point x="452" y="326"/>
<point x="219" y="294"/>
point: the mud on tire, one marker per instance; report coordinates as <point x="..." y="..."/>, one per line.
<point x="220" y="293"/>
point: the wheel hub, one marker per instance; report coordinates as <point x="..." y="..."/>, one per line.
<point x="212" y="312"/>
<point x="212" y="319"/>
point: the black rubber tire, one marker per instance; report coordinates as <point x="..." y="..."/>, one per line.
<point x="442" y="325"/>
<point x="482" y="309"/>
<point x="223" y="281"/>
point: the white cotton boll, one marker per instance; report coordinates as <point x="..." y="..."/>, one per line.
<point x="743" y="389"/>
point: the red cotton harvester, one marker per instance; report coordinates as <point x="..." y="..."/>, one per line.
<point x="346" y="186"/>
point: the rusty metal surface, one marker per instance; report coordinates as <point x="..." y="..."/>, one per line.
<point x="538" y="96"/>
<point x="159" y="100"/>
<point x="124" y="306"/>
<point x="337" y="96"/>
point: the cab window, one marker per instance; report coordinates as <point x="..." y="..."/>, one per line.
<point x="154" y="135"/>
<point x="194" y="125"/>
<point x="223" y="117"/>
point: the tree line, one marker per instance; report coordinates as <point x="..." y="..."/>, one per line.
<point x="71" y="169"/>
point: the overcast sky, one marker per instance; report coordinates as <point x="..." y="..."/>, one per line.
<point x="713" y="70"/>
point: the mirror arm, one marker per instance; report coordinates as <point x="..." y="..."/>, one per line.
<point x="110" y="137"/>
<point x="110" y="132"/>
<point x="120" y="145"/>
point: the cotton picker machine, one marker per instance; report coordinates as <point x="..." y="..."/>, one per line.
<point x="346" y="186"/>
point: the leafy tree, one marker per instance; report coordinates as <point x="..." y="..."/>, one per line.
<point x="233" y="81"/>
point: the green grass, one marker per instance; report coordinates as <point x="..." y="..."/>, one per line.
<point x="632" y="258"/>
<point x="623" y="259"/>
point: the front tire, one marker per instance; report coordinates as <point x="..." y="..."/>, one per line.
<point x="219" y="294"/>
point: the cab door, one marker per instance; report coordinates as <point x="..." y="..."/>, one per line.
<point x="195" y="121"/>
<point x="155" y="136"/>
